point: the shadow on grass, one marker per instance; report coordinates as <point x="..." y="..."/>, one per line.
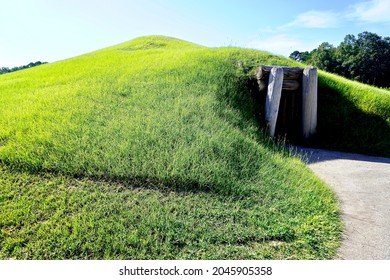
<point x="242" y="95"/>
<point x="172" y="184"/>
<point x="344" y="127"/>
<point x="224" y="192"/>
<point x="310" y="156"/>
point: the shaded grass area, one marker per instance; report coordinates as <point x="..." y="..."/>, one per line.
<point x="353" y="117"/>
<point x="151" y="150"/>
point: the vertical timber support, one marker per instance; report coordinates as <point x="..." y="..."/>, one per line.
<point x="273" y="99"/>
<point x="309" y="102"/>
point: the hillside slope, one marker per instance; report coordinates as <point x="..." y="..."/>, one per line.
<point x="126" y="111"/>
<point x="352" y="116"/>
<point x="151" y="150"/>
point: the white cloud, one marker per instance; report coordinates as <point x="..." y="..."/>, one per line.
<point x="315" y="19"/>
<point x="281" y="44"/>
<point x="374" y="11"/>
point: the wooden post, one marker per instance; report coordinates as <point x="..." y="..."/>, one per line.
<point x="273" y="99"/>
<point x="309" y="102"/>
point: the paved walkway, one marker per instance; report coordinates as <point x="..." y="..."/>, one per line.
<point x="362" y="184"/>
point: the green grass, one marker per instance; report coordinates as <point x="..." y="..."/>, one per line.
<point x="54" y="217"/>
<point x="151" y="150"/>
<point x="352" y="116"/>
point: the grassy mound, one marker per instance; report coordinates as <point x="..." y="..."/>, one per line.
<point x="151" y="150"/>
<point x="352" y="116"/>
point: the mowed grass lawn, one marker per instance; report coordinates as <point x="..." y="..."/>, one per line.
<point x="151" y="150"/>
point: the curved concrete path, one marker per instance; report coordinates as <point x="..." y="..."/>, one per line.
<point x="362" y="184"/>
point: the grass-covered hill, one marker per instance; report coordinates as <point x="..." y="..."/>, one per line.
<point x="152" y="150"/>
<point x="352" y="116"/>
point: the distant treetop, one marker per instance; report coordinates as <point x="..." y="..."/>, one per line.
<point x="4" y="70"/>
<point x="365" y="58"/>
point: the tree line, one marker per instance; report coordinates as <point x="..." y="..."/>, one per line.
<point x="365" y="58"/>
<point x="4" y="70"/>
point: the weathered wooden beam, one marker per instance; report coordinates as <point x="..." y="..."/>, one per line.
<point x="273" y="99"/>
<point x="290" y="73"/>
<point x="309" y="101"/>
<point x="288" y="85"/>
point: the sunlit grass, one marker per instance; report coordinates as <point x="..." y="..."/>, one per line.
<point x="151" y="149"/>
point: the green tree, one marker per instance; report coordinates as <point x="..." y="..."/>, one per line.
<point x="365" y="58"/>
<point x="300" y="56"/>
<point x="324" y="57"/>
<point x="4" y="70"/>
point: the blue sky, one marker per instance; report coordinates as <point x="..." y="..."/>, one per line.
<point x="51" y="30"/>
